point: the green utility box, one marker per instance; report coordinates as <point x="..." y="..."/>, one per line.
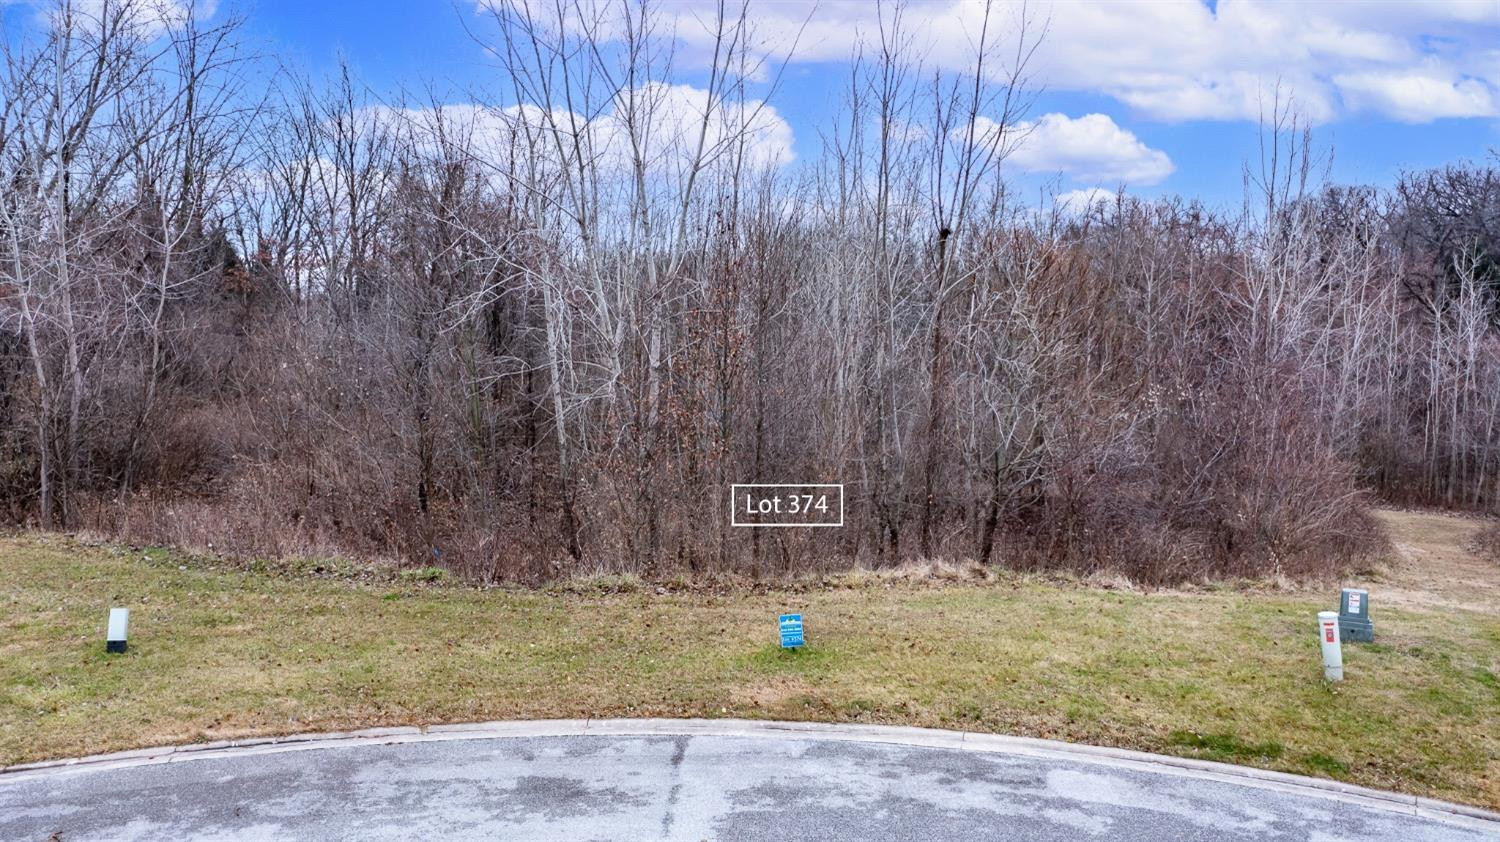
<point x="1354" y="616"/>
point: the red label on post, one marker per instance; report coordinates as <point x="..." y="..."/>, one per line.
<point x="1328" y="633"/>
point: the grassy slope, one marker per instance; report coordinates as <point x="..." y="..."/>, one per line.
<point x="1228" y="675"/>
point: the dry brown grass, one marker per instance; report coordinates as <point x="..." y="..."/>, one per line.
<point x="1487" y="542"/>
<point x="1434" y="563"/>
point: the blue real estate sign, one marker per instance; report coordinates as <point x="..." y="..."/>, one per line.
<point x="791" y="630"/>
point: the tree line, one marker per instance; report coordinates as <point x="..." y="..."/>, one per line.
<point x="541" y="333"/>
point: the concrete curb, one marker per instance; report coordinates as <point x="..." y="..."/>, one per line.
<point x="1428" y="808"/>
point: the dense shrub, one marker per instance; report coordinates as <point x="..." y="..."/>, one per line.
<point x="441" y="336"/>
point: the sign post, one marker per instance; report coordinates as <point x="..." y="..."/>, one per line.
<point x="114" y="638"/>
<point x="791" y="631"/>
<point x="1328" y="639"/>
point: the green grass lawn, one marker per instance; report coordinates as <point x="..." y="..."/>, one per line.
<point x="218" y="651"/>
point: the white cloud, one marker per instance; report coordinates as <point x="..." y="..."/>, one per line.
<point x="676" y="114"/>
<point x="1084" y="199"/>
<point x="142" y="18"/>
<point x="1419" y="96"/>
<point x="1181" y="59"/>
<point x="671" y="128"/>
<point x="1088" y="148"/>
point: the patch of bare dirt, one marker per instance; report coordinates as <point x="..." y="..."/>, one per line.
<point x="1434" y="563"/>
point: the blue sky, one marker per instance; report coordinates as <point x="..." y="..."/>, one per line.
<point x="1388" y="86"/>
<point x="1157" y="96"/>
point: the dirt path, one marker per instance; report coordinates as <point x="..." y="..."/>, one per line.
<point x="1434" y="563"/>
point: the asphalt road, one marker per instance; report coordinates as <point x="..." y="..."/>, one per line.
<point x="698" y="786"/>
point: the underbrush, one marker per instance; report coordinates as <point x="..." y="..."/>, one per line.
<point x="1252" y="536"/>
<point x="190" y="548"/>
